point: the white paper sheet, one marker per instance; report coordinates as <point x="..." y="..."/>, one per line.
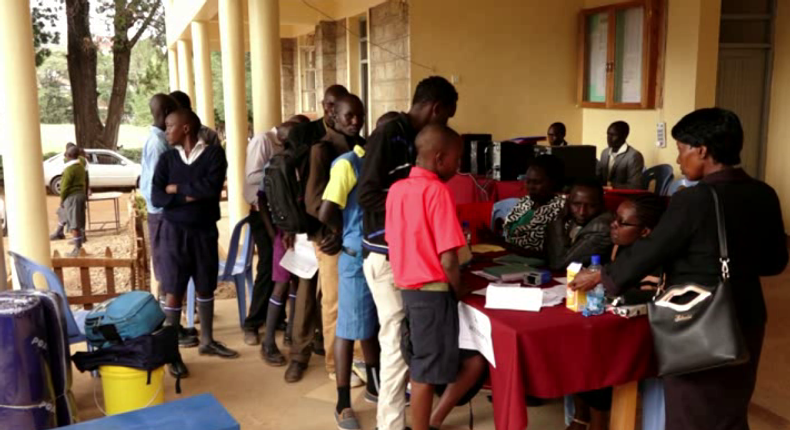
<point x="301" y="260"/>
<point x="563" y="281"/>
<point x="475" y="332"/>
<point x="514" y="298"/>
<point x="554" y="296"/>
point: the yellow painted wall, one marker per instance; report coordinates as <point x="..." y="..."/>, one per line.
<point x="689" y="80"/>
<point x="516" y="61"/>
<point x="778" y="151"/>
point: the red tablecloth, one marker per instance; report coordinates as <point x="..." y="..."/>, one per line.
<point x="556" y="352"/>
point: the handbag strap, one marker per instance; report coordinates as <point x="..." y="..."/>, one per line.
<point x="724" y="257"/>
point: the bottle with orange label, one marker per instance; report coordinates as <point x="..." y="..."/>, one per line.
<point x="574" y="300"/>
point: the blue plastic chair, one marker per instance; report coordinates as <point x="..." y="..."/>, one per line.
<point x="662" y="175"/>
<point x="26" y="268"/>
<point x="501" y="210"/>
<point x="237" y="268"/>
<point x="679" y="184"/>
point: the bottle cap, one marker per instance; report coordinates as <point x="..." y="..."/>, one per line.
<point x="596" y="260"/>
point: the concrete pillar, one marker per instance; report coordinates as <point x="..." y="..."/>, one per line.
<point x="231" y="31"/>
<point x="25" y="202"/>
<point x="186" y="74"/>
<point x="264" y="17"/>
<point x="204" y="96"/>
<point x="172" y="68"/>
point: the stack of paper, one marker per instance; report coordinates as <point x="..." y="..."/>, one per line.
<point x="513" y="297"/>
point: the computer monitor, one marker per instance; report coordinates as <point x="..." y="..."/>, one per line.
<point x="579" y="160"/>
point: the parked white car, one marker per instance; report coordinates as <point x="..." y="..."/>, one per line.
<point x="107" y="169"/>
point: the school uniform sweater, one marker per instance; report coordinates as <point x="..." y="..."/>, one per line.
<point x="202" y="180"/>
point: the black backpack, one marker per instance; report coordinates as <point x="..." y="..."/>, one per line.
<point x="147" y="352"/>
<point x="284" y="182"/>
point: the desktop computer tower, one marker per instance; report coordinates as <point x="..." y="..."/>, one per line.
<point x="579" y="160"/>
<point x="474" y="158"/>
<point x="509" y="160"/>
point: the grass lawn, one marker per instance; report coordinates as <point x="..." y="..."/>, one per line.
<point x="55" y="136"/>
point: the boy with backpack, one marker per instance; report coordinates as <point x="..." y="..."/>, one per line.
<point x="187" y="184"/>
<point x="424" y="235"/>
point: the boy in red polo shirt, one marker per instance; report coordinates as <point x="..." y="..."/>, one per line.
<point x="423" y="234"/>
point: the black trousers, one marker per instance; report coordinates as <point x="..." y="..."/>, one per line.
<point x="263" y="286"/>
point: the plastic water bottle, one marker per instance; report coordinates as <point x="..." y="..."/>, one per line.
<point x="595" y="297"/>
<point x="467" y="232"/>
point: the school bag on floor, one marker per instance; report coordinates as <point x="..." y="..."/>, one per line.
<point x="147" y="352"/>
<point x="127" y="316"/>
<point x="284" y="182"/>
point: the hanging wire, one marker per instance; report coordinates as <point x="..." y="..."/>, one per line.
<point x="342" y="24"/>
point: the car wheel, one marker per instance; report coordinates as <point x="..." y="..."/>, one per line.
<point x="54" y="186"/>
<point x="137" y="184"/>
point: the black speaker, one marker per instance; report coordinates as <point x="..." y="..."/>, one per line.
<point x="579" y="160"/>
<point x="474" y="158"/>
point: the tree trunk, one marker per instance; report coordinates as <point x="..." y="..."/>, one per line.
<point x="82" y="61"/>
<point x="121" y="59"/>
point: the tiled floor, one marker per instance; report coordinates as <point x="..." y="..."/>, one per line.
<point x="257" y="396"/>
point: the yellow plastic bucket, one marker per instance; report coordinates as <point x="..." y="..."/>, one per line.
<point x="126" y="389"/>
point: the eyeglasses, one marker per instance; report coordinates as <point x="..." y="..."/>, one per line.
<point x="617" y="223"/>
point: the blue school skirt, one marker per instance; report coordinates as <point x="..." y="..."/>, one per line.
<point x="356" y="312"/>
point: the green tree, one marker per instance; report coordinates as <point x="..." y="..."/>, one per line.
<point x="216" y="80"/>
<point x="44" y="16"/>
<point x="130" y="19"/>
<point x="53" y="95"/>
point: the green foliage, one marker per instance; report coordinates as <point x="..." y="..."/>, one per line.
<point x="54" y="97"/>
<point x="216" y="80"/>
<point x="44" y="15"/>
<point x="148" y="75"/>
<point x="134" y="154"/>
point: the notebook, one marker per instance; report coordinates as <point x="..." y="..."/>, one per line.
<point x="509" y="272"/>
<point x="513" y="259"/>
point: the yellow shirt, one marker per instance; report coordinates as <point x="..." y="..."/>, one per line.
<point x="342" y="180"/>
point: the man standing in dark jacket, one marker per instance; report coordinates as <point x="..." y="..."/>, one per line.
<point x="187" y="184"/>
<point x="390" y="154"/>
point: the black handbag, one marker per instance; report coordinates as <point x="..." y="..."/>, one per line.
<point x="694" y="326"/>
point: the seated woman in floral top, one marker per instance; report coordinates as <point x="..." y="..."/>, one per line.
<point x="525" y="226"/>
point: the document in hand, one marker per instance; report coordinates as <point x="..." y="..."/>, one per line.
<point x="513" y="297"/>
<point x="301" y="260"/>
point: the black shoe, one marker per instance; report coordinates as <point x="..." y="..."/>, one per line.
<point x="295" y="372"/>
<point x="272" y="356"/>
<point x="178" y="369"/>
<point x="217" y="349"/>
<point x="186" y="339"/>
<point x="58" y="235"/>
<point x="251" y="337"/>
<point x="190" y="331"/>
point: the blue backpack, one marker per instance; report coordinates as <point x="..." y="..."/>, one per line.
<point x="127" y="316"/>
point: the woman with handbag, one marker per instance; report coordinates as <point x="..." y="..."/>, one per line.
<point x="709" y="350"/>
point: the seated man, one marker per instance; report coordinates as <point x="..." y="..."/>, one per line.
<point x="582" y="230"/>
<point x="556" y="134"/>
<point x="621" y="165"/>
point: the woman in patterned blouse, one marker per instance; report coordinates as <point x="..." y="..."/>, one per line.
<point x="525" y="225"/>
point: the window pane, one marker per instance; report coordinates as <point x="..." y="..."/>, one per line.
<point x="595" y="69"/>
<point x="309" y="80"/>
<point x="363" y="50"/>
<point x="746" y="6"/>
<point x="363" y="28"/>
<point x="628" y="55"/>
<point x="107" y="159"/>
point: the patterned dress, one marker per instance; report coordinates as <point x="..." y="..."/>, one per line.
<point x="525" y="226"/>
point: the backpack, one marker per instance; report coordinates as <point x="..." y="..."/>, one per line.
<point x="147" y="352"/>
<point x="284" y="183"/>
<point x="127" y="316"/>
